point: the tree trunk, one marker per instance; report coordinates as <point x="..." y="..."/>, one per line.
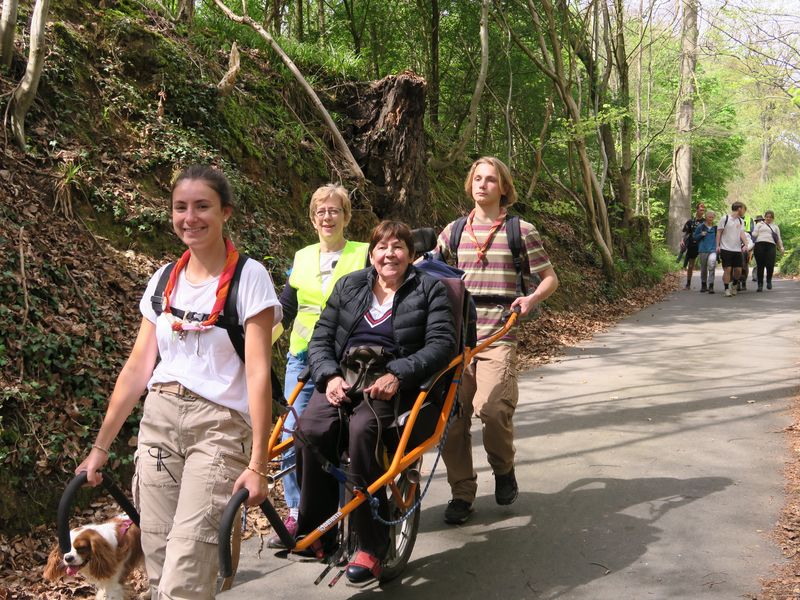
<point x="25" y="92"/>
<point x="8" y="26"/>
<point x="355" y="31"/>
<point x="298" y="20"/>
<point x="321" y="20"/>
<point x="225" y="86"/>
<point x="624" y="187"/>
<point x="388" y="138"/>
<point x="433" y="79"/>
<point x="341" y="145"/>
<point x="472" y="118"/>
<point x="767" y="141"/>
<point x="680" y="200"/>
<point x="639" y="162"/>
<point x="185" y="11"/>
<point x="275" y="19"/>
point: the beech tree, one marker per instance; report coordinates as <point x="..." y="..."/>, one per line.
<point x="25" y="92"/>
<point x="8" y="24"/>
<point x="680" y="200"/>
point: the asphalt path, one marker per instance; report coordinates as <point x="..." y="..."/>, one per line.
<point x="650" y="461"/>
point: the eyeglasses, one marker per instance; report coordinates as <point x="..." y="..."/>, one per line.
<point x="332" y="212"/>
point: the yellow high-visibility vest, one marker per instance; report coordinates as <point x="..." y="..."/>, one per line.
<point x="307" y="280"/>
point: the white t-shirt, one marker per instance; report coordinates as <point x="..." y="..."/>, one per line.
<point x="206" y="362"/>
<point x="763" y="233"/>
<point x="327" y="263"/>
<point x="731" y="227"/>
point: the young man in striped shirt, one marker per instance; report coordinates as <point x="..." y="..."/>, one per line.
<point x="489" y="385"/>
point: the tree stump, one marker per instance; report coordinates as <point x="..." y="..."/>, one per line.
<point x="387" y="138"/>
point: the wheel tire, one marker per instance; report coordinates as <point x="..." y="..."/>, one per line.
<point x="402" y="536"/>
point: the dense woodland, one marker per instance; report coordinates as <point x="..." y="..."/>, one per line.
<point x="617" y="117"/>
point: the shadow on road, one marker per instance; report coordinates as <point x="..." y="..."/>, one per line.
<point x="551" y="543"/>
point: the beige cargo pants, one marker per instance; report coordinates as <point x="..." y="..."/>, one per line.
<point x="190" y="452"/>
<point x="489" y="391"/>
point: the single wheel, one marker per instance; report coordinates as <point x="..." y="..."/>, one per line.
<point x="402" y="536"/>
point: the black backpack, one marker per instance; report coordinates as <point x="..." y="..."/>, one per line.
<point x="228" y="319"/>
<point x="518" y="253"/>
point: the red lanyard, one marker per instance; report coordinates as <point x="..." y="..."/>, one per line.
<point x="483" y="248"/>
<point x="231" y="258"/>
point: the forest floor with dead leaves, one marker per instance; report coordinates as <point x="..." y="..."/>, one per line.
<point x="543" y="340"/>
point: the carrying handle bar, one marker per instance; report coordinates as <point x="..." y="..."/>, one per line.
<point x="226" y="526"/>
<point x="67" y="498"/>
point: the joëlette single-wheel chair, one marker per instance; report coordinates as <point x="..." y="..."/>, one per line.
<point x="420" y="429"/>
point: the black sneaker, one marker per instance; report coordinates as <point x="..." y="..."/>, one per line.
<point x="505" y="488"/>
<point x="457" y="511"/>
<point x="703" y="287"/>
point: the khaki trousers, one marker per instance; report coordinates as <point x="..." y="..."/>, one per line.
<point x="488" y="391"/>
<point x="190" y="453"/>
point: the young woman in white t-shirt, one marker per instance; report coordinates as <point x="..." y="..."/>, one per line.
<point x="767" y="236"/>
<point x="207" y="415"/>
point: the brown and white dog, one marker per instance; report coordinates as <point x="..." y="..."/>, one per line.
<point x="105" y="554"/>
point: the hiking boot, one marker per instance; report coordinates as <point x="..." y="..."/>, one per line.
<point x="703" y="288"/>
<point x="728" y="292"/>
<point x="711" y="289"/>
<point x="291" y="526"/>
<point x="505" y="488"/>
<point x="457" y="511"/>
<point x="769" y="285"/>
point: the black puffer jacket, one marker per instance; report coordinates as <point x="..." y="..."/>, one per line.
<point x="422" y="319"/>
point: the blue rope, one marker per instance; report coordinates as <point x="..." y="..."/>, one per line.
<point x="374" y="503"/>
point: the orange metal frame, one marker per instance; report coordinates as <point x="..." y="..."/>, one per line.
<point x="401" y="460"/>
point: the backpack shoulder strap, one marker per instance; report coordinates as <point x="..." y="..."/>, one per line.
<point x="157" y="299"/>
<point x="514" y="236"/>
<point x="455" y="236"/>
<point x="229" y="319"/>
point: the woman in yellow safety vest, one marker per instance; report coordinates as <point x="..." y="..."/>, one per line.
<point x="314" y="271"/>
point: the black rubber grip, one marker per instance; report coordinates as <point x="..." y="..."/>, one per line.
<point x="68" y="497"/>
<point x="226" y="527"/>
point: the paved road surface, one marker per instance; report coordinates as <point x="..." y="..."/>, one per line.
<point x="650" y="461"/>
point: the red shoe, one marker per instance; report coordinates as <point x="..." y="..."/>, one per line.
<point x="363" y="568"/>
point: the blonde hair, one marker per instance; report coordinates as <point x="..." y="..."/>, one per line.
<point x="325" y="192"/>
<point x="503" y="178"/>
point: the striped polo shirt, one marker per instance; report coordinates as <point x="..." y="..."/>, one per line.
<point x="495" y="275"/>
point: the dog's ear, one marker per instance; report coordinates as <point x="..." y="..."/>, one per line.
<point x="103" y="563"/>
<point x="55" y="569"/>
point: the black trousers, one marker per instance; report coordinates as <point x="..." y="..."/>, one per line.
<point x="325" y="427"/>
<point x="765" y="259"/>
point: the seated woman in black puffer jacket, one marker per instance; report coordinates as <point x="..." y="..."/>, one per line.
<point x="404" y="311"/>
